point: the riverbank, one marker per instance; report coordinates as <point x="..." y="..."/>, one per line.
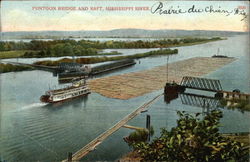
<point x="93" y="60"/>
<point x="4" y="68"/>
<point x="136" y="84"/>
<point x="32" y="54"/>
<point x="13" y="54"/>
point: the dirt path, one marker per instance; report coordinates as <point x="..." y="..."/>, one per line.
<point x="130" y="85"/>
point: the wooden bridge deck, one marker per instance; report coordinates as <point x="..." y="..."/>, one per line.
<point x="135" y="84"/>
<point x="91" y="146"/>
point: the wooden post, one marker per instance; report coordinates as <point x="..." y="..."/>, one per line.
<point x="69" y="156"/>
<point x="148" y="126"/>
<point x="167" y="67"/>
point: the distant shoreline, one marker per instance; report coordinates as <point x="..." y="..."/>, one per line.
<point x="60" y="48"/>
<point x="118" y="33"/>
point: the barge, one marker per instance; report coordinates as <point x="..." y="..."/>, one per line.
<point x="112" y="66"/>
<point x="81" y="72"/>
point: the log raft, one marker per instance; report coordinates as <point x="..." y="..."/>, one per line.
<point x="130" y="85"/>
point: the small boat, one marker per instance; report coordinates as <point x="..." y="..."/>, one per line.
<point x="219" y="56"/>
<point x="77" y="89"/>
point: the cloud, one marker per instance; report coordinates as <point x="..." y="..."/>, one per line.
<point x="19" y="20"/>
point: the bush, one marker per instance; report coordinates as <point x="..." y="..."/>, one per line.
<point x="140" y="135"/>
<point x="193" y="139"/>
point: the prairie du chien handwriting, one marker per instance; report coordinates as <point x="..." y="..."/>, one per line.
<point x="166" y="9"/>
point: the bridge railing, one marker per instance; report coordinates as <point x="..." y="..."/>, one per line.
<point x="201" y="83"/>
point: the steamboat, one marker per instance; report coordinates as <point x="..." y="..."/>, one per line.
<point x="77" y="89"/>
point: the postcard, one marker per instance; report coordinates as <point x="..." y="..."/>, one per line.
<point x="124" y="80"/>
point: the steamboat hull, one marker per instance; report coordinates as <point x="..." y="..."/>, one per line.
<point x="45" y="99"/>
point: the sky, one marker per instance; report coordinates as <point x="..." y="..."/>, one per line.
<point x="35" y="15"/>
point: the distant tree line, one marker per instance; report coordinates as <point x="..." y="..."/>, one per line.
<point x="62" y="50"/>
<point x="68" y="47"/>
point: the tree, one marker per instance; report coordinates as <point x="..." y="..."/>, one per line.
<point x="68" y="50"/>
<point x="193" y="139"/>
<point x="57" y="50"/>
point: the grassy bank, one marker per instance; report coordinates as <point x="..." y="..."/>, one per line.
<point x="37" y="54"/>
<point x="104" y="59"/>
<point x="12" y="54"/>
<point x="4" y="68"/>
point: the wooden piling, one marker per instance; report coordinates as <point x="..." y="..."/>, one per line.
<point x="69" y="156"/>
<point x="148" y="126"/>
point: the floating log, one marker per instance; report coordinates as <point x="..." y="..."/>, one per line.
<point x="130" y="85"/>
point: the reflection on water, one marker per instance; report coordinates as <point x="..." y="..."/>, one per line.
<point x="199" y="100"/>
<point x="207" y="103"/>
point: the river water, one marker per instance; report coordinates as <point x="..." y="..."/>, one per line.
<point x="32" y="131"/>
<point x="123" y="52"/>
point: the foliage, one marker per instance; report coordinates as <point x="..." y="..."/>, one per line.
<point x="4" y="68"/>
<point x="68" y="47"/>
<point x="140" y="135"/>
<point x="193" y="139"/>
